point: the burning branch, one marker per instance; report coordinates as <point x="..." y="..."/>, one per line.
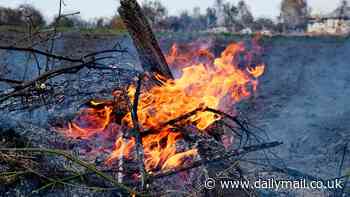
<point x="159" y="122"/>
<point x="137" y="132"/>
<point x="224" y="156"/>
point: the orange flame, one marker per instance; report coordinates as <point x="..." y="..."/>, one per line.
<point x="204" y="82"/>
<point x="94" y="121"/>
<point x="198" y="86"/>
<point x="257" y="71"/>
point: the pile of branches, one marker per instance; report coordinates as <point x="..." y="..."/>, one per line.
<point x="57" y="168"/>
<point x="25" y="154"/>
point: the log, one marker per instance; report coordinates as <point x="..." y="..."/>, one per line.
<point x="150" y="54"/>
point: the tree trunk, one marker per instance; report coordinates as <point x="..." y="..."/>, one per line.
<point x="150" y="54"/>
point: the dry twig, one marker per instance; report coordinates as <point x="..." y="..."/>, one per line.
<point x="74" y="160"/>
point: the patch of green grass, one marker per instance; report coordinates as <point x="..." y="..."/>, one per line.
<point x="12" y="28"/>
<point x="99" y="31"/>
<point x="103" y="31"/>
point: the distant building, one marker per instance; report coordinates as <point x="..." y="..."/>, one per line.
<point x="266" y="33"/>
<point x="331" y="26"/>
<point x="246" y="31"/>
<point x="336" y="23"/>
<point x="218" y="30"/>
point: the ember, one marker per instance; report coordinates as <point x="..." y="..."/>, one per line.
<point x="205" y="81"/>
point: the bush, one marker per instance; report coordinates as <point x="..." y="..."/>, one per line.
<point x="117" y="23"/>
<point x="69" y="22"/>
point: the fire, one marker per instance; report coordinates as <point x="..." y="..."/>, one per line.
<point x="160" y="150"/>
<point x="199" y="85"/>
<point x="204" y="81"/>
<point x="181" y="56"/>
<point x="257" y="71"/>
<point x="88" y="123"/>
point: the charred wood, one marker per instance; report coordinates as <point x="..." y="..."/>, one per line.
<point x="150" y="54"/>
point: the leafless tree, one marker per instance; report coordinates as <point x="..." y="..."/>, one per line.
<point x="154" y="10"/>
<point x="294" y="14"/>
<point x="244" y="14"/>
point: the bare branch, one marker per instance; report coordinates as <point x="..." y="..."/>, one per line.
<point x="24" y="49"/>
<point x="80" y="60"/>
<point x="137" y="131"/>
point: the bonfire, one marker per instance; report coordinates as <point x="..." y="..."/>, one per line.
<point x="204" y="85"/>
